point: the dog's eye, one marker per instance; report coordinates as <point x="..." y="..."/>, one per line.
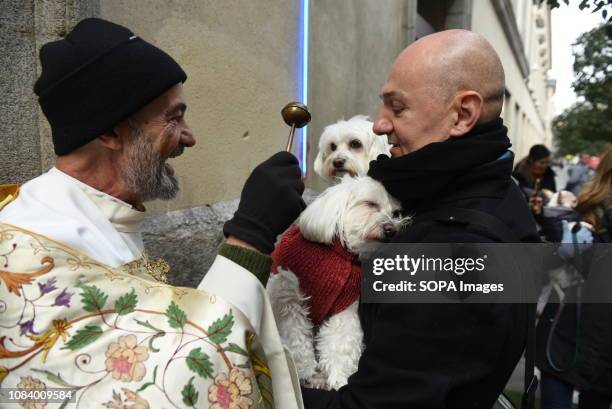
<point x="355" y="144"/>
<point x="396" y="214"/>
<point x="372" y="205"/>
<point x="332" y="146"/>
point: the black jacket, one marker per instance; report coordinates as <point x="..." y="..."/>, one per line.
<point x="579" y="350"/>
<point x="442" y="355"/>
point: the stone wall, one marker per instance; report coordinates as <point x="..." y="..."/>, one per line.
<point x="188" y="239"/>
<point x="18" y="110"/>
<point x="25" y="25"/>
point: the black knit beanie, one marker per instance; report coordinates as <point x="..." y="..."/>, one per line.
<point x="97" y="76"/>
<point x="538" y="152"/>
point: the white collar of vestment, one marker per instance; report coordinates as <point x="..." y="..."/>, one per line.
<point x="123" y="216"/>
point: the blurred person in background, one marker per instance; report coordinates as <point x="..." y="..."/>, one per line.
<point x="595" y="199"/>
<point x="575" y="339"/>
<point x="579" y="174"/>
<point x="594" y="162"/>
<point x="535" y="178"/>
<point x="536" y="166"/>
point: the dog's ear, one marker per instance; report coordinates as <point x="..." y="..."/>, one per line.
<point x="319" y="222"/>
<point x="318" y="164"/>
<point x="379" y="146"/>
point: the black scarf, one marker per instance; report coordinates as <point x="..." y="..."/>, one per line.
<point x="424" y="175"/>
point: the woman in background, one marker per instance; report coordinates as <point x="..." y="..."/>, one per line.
<point x="533" y="167"/>
<point x="595" y="199"/>
<point x="577" y="353"/>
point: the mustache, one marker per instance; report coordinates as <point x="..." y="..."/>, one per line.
<point x="178" y="151"/>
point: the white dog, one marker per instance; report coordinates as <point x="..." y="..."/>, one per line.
<point x="315" y="294"/>
<point x="562" y="198"/>
<point x="347" y="147"/>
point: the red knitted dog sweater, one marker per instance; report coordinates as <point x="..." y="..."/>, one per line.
<point x="329" y="275"/>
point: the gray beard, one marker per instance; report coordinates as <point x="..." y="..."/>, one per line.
<point x="146" y="173"/>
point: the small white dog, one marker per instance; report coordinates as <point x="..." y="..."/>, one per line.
<point x="347" y="147"/>
<point x="563" y="198"/>
<point x="315" y="294"/>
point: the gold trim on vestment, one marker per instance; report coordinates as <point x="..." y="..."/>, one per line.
<point x="8" y="193"/>
<point x="140" y="268"/>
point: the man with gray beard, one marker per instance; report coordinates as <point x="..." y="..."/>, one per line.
<point x="147" y="174"/>
<point x="70" y="241"/>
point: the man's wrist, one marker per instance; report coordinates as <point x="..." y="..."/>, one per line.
<point x="245" y="255"/>
<point x="235" y="241"/>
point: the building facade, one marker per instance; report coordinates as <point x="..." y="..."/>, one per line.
<point x="245" y="60"/>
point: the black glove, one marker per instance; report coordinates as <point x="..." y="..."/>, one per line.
<point x="271" y="200"/>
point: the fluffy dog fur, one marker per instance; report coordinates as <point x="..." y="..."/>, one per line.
<point x="562" y="198"/>
<point x="355" y="211"/>
<point x="347" y="147"/>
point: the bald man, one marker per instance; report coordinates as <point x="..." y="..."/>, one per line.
<point x="441" y="107"/>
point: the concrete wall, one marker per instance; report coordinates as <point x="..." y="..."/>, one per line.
<point x="445" y="14"/>
<point x="240" y="57"/>
<point x="353" y="44"/>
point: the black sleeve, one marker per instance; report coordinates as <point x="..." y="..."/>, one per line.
<point x="419" y="354"/>
<point x="551" y="228"/>
<point x="519" y="178"/>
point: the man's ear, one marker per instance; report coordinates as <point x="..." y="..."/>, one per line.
<point x="110" y="140"/>
<point x="114" y="138"/>
<point x="469" y="111"/>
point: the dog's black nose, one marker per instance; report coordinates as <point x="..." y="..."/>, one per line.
<point x="389" y="230"/>
<point x="339" y="163"/>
